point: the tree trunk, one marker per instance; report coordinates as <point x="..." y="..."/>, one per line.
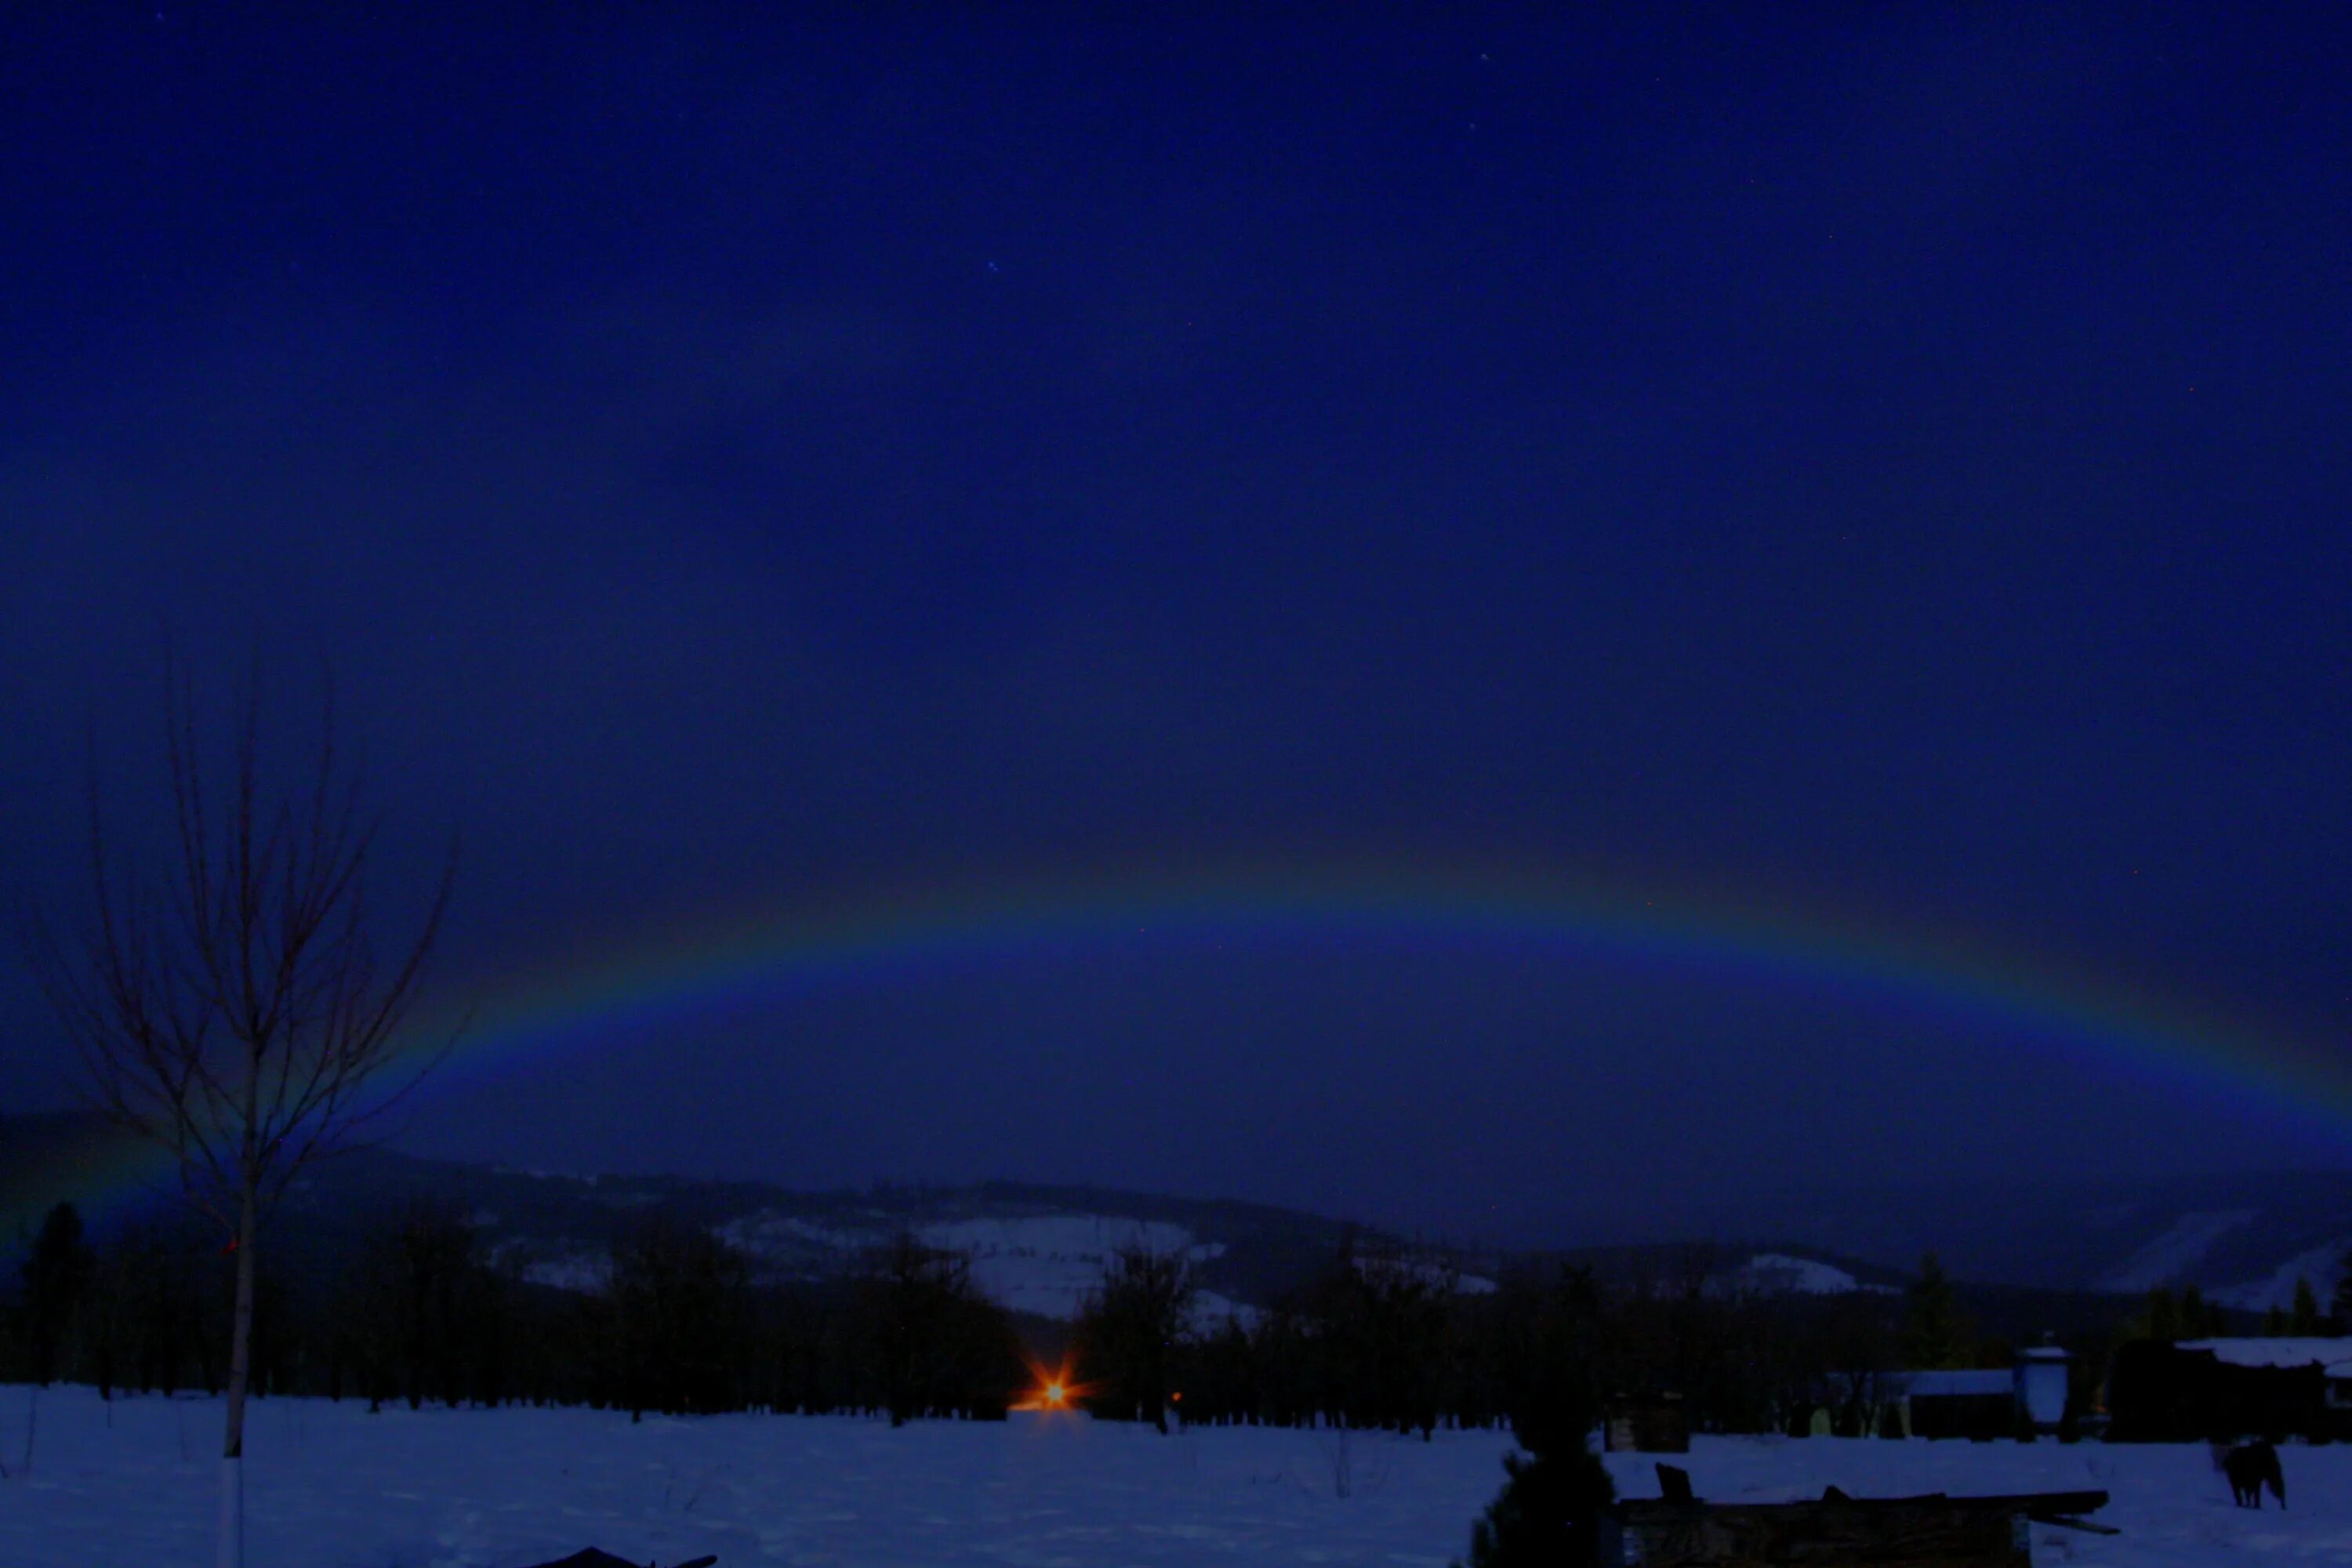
<point x="230" y="1550"/>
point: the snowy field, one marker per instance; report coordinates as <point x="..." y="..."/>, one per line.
<point x="331" y="1486"/>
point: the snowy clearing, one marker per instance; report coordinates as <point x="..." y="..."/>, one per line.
<point x="332" y="1487"/>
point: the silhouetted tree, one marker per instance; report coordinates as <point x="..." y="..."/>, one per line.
<point x="1934" y="1334"/>
<point x="2303" y="1319"/>
<point x="409" y="1314"/>
<point x="935" y="1344"/>
<point x="1858" y="1347"/>
<point x="679" y="1317"/>
<point x="225" y="995"/>
<point x="2162" y="1319"/>
<point x="1403" y="1326"/>
<point x="56" y="1275"/>
<point x="1221" y="1383"/>
<point x="1549" y="1513"/>
<point x="1128" y="1330"/>
<point x="2200" y="1318"/>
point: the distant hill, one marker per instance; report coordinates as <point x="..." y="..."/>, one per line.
<point x="1036" y="1248"/>
<point x="2243" y="1239"/>
<point x="2033" y="1257"/>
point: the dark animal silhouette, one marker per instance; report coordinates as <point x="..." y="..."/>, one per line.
<point x="2250" y="1466"/>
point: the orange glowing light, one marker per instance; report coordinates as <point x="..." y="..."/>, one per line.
<point x="1056" y="1389"/>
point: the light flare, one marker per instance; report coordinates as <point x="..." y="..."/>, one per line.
<point x="1051" y="1389"/>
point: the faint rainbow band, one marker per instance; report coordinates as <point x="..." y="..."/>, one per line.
<point x="624" y="993"/>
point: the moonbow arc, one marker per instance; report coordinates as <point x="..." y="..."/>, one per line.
<point x="619" y="994"/>
<point x="2006" y="998"/>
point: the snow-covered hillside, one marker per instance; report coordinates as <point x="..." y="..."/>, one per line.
<point x="1424" y="1270"/>
<point x="328" y="1486"/>
<point x="1045" y="1264"/>
<point x="1042" y="1264"/>
<point x="2245" y="1239"/>
<point x="2177" y="1254"/>
<point x="1049" y="1264"/>
<point x="2226" y="1233"/>
<point x="2321" y="1266"/>
<point x="1780" y="1273"/>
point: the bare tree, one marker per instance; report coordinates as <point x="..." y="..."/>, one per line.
<point x="1859" y="1356"/>
<point x="226" y="995"/>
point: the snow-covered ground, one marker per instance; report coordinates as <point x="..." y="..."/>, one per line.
<point x="331" y="1486"/>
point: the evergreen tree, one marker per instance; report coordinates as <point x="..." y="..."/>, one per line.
<point x="2304" y="1319"/>
<point x="2274" y="1322"/>
<point x="56" y="1275"/>
<point x="2339" y="1304"/>
<point x="1547" y="1514"/>
<point x="2163" y="1315"/>
<point x="2200" y="1318"/>
<point x="1934" y="1335"/>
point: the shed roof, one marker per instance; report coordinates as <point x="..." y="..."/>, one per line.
<point x="1948" y="1385"/>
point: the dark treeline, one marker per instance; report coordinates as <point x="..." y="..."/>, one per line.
<point x="422" y="1317"/>
<point x="149" y="1311"/>
<point x="1378" y="1338"/>
<point x="1383" y="1338"/>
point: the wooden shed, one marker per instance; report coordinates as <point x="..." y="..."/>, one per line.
<point x="1978" y="1405"/>
<point x="2230" y="1388"/>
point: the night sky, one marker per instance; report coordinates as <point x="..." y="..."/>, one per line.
<point x="1886" y="466"/>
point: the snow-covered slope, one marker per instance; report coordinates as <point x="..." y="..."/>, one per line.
<point x="1043" y="1263"/>
<point x="2321" y="1266"/>
<point x="1049" y="1264"/>
<point x="1780" y="1273"/>
<point x="2244" y="1239"/>
<point x="2220" y="1231"/>
<point x="2175" y="1256"/>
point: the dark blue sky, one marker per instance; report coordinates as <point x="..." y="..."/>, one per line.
<point x="1891" y="461"/>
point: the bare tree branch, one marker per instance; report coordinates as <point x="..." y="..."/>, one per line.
<point x="226" y="1000"/>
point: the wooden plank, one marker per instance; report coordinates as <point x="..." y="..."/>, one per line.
<point x="2013" y="1502"/>
<point x="2066" y="1524"/>
<point x="1921" y="1537"/>
<point x="1932" y="1531"/>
